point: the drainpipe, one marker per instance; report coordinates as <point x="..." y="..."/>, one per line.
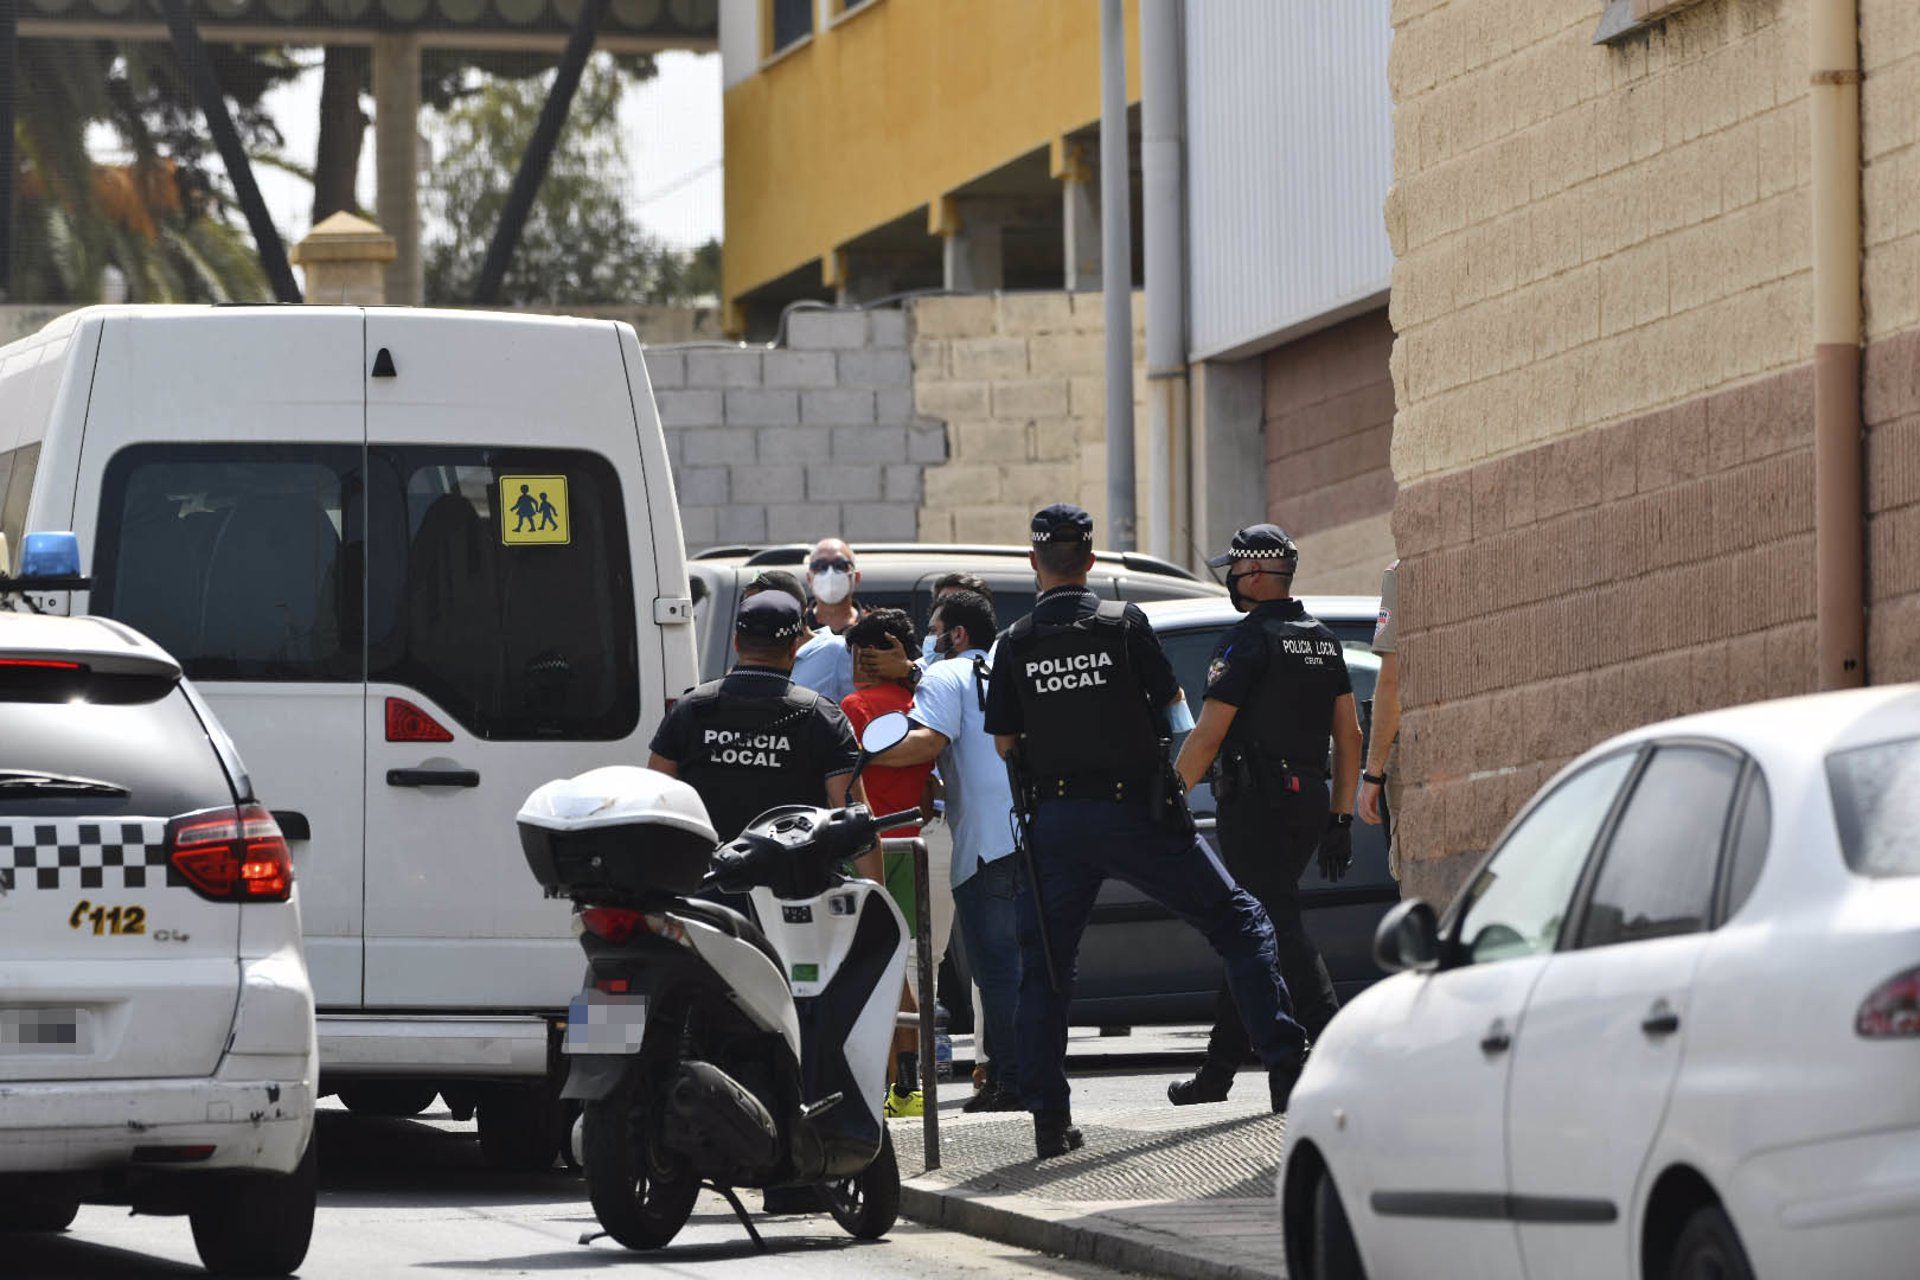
<point x="1163" y="203"/>
<point x="1116" y="274"/>
<point x="1839" y="516"/>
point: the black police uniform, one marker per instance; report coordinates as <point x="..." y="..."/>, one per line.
<point x="1084" y="686"/>
<point x="753" y="739"/>
<point x="1284" y="671"/>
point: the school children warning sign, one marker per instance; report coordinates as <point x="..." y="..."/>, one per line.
<point x="533" y="511"/>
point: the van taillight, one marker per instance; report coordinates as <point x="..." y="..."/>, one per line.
<point x="232" y="855"/>
<point x="1892" y="1012"/>
<point x="408" y="723"/>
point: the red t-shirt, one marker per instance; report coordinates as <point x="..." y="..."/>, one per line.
<point x="890" y="789"/>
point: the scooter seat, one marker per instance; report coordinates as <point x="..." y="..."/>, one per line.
<point x="733" y="923"/>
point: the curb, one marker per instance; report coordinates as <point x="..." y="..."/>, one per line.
<point x="1108" y="1243"/>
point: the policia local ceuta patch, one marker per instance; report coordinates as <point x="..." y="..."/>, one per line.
<point x="1075" y="671"/>
<point x="746" y="748"/>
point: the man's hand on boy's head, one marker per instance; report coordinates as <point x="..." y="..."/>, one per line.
<point x="888" y="662"/>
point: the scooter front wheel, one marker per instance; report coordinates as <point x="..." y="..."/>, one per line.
<point x="868" y="1204"/>
<point x="637" y="1207"/>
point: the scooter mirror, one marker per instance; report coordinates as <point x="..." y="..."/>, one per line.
<point x="886" y="732"/>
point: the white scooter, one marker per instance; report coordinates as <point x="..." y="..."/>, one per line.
<point x="710" y="1050"/>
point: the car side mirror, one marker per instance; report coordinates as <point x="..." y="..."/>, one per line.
<point x="1408" y="939"/>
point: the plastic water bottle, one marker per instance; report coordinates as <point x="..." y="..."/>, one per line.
<point x="942" y="1045"/>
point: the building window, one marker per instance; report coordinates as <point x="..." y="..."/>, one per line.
<point x="788" y="23"/>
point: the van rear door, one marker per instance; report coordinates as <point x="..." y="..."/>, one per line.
<point x="509" y="552"/>
<point x="220" y="482"/>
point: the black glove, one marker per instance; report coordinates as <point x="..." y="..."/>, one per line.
<point x="1336" y="850"/>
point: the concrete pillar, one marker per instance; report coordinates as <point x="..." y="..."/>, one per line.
<point x="396" y="144"/>
<point x="1080" y="214"/>
<point x="346" y="259"/>
<point x="970" y="256"/>
<point x="1229" y="479"/>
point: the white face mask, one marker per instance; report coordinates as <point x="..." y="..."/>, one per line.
<point x="831" y="586"/>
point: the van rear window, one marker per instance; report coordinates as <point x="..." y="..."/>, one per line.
<point x="239" y="560"/>
<point x="501" y="586"/>
<point x="1876" y="805"/>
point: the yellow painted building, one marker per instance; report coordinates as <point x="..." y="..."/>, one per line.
<point x="889" y="144"/>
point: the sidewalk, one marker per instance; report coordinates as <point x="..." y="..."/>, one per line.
<point x="1185" y="1193"/>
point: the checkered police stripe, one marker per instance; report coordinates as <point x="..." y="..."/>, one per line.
<point x="84" y="853"/>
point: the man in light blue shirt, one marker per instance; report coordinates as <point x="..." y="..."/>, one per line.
<point x="949" y="715"/>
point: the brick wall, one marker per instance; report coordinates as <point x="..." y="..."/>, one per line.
<point x="1328" y="423"/>
<point x="798" y="442"/>
<point x="1603" y="305"/>
<point x="1019" y="379"/>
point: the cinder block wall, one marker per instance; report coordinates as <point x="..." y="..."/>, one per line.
<point x="1019" y="379"/>
<point x="795" y="443"/>
<point x="1328" y="421"/>
<point x="1603" y="303"/>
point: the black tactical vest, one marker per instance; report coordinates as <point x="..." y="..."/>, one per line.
<point x="750" y="753"/>
<point x="1289" y="715"/>
<point x="1083" y="708"/>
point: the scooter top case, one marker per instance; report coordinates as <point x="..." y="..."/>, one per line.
<point x="617" y="835"/>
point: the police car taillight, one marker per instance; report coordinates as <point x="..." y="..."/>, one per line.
<point x="232" y="855"/>
<point x="408" y="723"/>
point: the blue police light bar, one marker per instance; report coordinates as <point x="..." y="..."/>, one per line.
<point x="46" y="556"/>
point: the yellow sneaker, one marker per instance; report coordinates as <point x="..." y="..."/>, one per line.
<point x="900" y="1105"/>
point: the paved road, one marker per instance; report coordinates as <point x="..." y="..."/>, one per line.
<point x="405" y="1198"/>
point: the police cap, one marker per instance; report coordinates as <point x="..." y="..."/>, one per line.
<point x="1062" y="522"/>
<point x="1258" y="542"/>
<point x="770" y="615"/>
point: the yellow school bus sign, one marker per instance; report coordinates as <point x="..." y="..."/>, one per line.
<point x="533" y="511"/>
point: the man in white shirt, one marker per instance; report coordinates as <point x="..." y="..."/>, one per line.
<point x="949" y="715"/>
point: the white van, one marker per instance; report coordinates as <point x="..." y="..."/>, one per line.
<point x="419" y="562"/>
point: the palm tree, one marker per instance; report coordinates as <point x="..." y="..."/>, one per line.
<point x="159" y="220"/>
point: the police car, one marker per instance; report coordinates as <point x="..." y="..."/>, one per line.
<point x="156" y="1022"/>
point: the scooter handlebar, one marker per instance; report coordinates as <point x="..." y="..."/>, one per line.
<point x="886" y="822"/>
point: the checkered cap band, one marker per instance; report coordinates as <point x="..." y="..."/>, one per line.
<point x="84" y="853"/>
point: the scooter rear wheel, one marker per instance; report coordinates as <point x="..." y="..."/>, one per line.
<point x="868" y="1204"/>
<point x="637" y="1208"/>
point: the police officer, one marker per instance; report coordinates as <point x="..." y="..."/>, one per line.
<point x="1081" y="691"/>
<point x="753" y="739"/>
<point x="1276" y="689"/>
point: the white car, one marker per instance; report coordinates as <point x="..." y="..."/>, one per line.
<point x="1670" y="1029"/>
<point x="156" y="1024"/>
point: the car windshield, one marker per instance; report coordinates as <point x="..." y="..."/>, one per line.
<point x="1876" y="805"/>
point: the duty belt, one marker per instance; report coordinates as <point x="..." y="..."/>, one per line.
<point x="1091" y="786"/>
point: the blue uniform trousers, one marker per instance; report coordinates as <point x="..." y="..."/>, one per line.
<point x="1078" y="844"/>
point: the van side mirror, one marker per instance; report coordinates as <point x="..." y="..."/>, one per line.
<point x="1408" y="939"/>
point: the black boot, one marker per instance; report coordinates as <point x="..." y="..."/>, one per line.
<point x="1280" y="1082"/>
<point x="995" y="1097"/>
<point x="1212" y="1084"/>
<point x="1054" y="1135"/>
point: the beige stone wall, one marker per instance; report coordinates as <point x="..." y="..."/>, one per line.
<point x="1019" y="379"/>
<point x="1583" y="233"/>
<point x="1890" y="147"/>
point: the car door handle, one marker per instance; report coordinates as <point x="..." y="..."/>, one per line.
<point x="1661" y="1020"/>
<point x="433" y="778"/>
<point x="293" y="824"/>
<point x="1497" y="1040"/>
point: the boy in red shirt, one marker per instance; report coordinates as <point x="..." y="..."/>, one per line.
<point x="889" y="790"/>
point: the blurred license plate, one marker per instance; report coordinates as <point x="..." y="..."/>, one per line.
<point x="45" y="1032"/>
<point x="601" y="1022"/>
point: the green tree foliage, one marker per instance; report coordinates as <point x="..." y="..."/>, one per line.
<point x="581" y="245"/>
<point x="162" y="219"/>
